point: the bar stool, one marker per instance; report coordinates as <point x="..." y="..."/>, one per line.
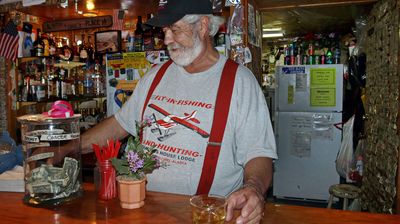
<point x="345" y="191"/>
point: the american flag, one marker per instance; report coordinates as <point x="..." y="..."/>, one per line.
<point x="9" y="41"/>
<point x="118" y="19"/>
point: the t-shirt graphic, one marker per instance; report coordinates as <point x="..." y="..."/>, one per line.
<point x="164" y="127"/>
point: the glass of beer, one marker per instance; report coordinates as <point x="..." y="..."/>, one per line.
<point x="208" y="209"/>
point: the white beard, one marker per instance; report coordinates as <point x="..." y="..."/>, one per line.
<point x="186" y="55"/>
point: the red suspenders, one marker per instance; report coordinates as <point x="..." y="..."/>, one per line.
<point x="220" y="118"/>
<point x="222" y="104"/>
<point x="153" y="86"/>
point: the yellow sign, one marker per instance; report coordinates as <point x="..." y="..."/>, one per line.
<point x="126" y="85"/>
<point x="290" y="95"/>
<point x="322" y="87"/>
<point x="322" y="76"/>
<point x="323" y="97"/>
<point x="135" y="60"/>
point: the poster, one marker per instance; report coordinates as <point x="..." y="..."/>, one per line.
<point x="124" y="71"/>
<point x="251" y="29"/>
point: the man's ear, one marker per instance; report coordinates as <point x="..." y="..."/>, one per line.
<point x="204" y="27"/>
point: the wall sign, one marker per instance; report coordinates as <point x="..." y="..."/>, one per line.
<point x="77" y="24"/>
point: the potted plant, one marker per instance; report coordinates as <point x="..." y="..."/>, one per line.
<point x="137" y="161"/>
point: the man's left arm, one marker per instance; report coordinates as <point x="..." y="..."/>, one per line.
<point x="250" y="198"/>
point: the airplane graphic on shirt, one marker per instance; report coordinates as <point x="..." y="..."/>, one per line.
<point x="163" y="126"/>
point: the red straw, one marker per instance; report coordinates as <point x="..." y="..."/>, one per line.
<point x="107" y="189"/>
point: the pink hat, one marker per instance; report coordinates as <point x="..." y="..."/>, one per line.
<point x="60" y="109"/>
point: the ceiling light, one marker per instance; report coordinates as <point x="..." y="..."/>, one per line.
<point x="89" y="14"/>
<point x="272" y="29"/>
<point x="89" y="5"/>
<point x="270" y="35"/>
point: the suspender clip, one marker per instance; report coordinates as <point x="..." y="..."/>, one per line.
<point x="214" y="143"/>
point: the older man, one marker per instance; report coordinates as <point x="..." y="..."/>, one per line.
<point x="209" y="119"/>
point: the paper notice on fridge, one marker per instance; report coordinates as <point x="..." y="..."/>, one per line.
<point x="322" y="77"/>
<point x="301" y="133"/>
<point x="323" y="97"/>
<point x="301" y="82"/>
<point x="300" y="144"/>
<point x="322" y="87"/>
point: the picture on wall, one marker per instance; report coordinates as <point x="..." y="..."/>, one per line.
<point x="108" y="41"/>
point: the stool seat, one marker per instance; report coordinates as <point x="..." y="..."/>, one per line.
<point x="345" y="191"/>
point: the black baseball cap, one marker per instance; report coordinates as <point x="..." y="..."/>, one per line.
<point x="170" y="11"/>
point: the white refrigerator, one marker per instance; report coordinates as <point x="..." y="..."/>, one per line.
<point x="308" y="110"/>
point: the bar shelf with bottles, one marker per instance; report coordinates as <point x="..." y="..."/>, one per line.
<point x="43" y="79"/>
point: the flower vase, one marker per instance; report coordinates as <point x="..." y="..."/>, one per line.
<point x="131" y="192"/>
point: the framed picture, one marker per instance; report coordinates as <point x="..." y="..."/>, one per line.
<point x="108" y="41"/>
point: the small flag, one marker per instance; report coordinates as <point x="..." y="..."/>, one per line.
<point x="9" y="41"/>
<point x="118" y="19"/>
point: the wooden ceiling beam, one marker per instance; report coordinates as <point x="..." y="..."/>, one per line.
<point x="266" y="5"/>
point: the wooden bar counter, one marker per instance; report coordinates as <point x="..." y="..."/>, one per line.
<point x="165" y="208"/>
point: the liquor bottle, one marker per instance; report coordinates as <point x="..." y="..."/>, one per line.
<point x="139" y="35"/>
<point x="130" y="42"/>
<point x="52" y="83"/>
<point x="83" y="54"/>
<point x="88" y="82"/>
<point x="79" y="78"/>
<point x="90" y="50"/>
<point x="148" y="36"/>
<point x="27" y="93"/>
<point x="70" y="84"/>
<point x="63" y="85"/>
<point x="20" y="86"/>
<point x="46" y="45"/>
<point x="52" y="45"/>
<point x="98" y="84"/>
<point x="38" y="45"/>
<point x="159" y="39"/>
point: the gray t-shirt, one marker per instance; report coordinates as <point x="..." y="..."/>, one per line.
<point x="191" y="97"/>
